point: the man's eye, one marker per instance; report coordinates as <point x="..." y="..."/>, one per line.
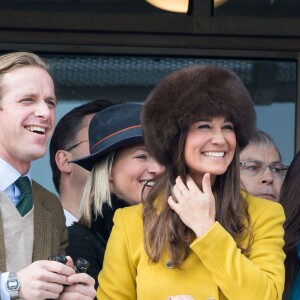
<point x="276" y="170"/>
<point x="27" y="100"/>
<point x="252" y="168"/>
<point x="51" y="103"/>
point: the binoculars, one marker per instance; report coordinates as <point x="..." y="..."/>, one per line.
<point x="80" y="266"/>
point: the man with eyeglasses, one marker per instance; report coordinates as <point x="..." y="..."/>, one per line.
<point x="70" y="141"/>
<point x="261" y="169"/>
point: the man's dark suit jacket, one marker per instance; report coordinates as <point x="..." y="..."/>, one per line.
<point x="50" y="232"/>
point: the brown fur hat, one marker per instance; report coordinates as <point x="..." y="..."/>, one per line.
<point x="189" y="94"/>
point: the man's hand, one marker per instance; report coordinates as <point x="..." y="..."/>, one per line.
<point x="43" y="280"/>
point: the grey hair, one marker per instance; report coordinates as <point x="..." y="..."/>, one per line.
<point x="261" y="138"/>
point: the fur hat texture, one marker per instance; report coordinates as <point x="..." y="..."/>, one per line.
<point x="188" y="95"/>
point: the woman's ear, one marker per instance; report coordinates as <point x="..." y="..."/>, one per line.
<point x="62" y="159"/>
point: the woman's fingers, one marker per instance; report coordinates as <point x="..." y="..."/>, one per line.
<point x="206" y="185"/>
<point x="181" y="187"/>
<point x="195" y="206"/>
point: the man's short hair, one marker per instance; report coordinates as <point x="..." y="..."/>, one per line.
<point x="15" y="60"/>
<point x="66" y="130"/>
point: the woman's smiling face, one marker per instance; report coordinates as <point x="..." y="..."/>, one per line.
<point x="209" y="148"/>
<point x="133" y="168"/>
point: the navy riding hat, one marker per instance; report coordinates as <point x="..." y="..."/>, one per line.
<point x="112" y="128"/>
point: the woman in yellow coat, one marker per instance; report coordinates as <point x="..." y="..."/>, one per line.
<point x="196" y="236"/>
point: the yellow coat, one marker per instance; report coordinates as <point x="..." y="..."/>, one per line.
<point x="215" y="268"/>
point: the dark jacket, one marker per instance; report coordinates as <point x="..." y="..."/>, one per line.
<point x="90" y="244"/>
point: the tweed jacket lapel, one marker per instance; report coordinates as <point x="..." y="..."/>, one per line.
<point x="2" y="245"/>
<point x="42" y="227"/>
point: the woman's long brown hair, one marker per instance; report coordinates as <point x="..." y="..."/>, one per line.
<point x="164" y="230"/>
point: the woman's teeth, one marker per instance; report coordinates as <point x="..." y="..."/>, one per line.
<point x="214" y="154"/>
<point x="148" y="183"/>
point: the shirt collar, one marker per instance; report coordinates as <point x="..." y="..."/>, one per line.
<point x="11" y="174"/>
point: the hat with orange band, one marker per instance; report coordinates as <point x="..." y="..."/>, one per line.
<point x="112" y="128"/>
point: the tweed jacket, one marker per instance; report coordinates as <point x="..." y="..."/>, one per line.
<point x="214" y="269"/>
<point x="50" y="232"/>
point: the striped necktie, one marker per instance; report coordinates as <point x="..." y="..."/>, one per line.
<point x="25" y="201"/>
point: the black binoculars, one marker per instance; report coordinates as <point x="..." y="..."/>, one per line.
<point x="80" y="266"/>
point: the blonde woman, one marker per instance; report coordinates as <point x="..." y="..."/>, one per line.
<point x="122" y="173"/>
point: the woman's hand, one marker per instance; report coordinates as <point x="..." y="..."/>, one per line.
<point x="195" y="208"/>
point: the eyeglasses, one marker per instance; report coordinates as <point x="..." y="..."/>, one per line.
<point x="252" y="168"/>
<point x="75" y="145"/>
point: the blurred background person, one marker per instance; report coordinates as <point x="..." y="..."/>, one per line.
<point x="261" y="168"/>
<point x="70" y="141"/>
<point x="122" y="173"/>
<point x="290" y="200"/>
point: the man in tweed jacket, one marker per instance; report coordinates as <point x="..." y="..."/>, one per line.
<point x="27" y="118"/>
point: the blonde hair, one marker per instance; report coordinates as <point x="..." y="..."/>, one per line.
<point x="96" y="191"/>
<point x="15" y="60"/>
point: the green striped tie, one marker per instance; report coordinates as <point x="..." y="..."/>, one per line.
<point x="25" y="202"/>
